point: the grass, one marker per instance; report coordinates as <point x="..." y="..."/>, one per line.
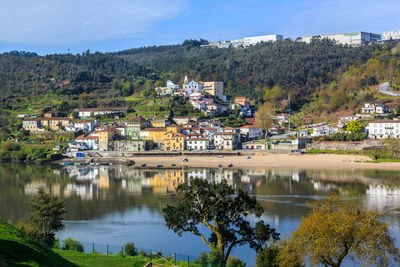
<point x="89" y="260"/>
<point x="17" y="249"/>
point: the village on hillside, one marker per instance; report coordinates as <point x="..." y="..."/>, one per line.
<point x="206" y="133"/>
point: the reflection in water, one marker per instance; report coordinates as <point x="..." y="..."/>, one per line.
<point x="121" y="203"/>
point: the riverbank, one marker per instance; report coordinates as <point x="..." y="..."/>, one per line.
<point x="317" y="161"/>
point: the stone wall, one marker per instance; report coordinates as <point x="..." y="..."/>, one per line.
<point x="346" y="146"/>
<point x="128" y="146"/>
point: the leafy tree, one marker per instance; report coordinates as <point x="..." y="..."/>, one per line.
<point x="223" y="210"/>
<point x="72" y="244"/>
<point x="127" y="89"/>
<point x="268" y="257"/>
<point x="75" y="114"/>
<point x="130" y="249"/>
<point x="355" y="127"/>
<point x="265" y="116"/>
<point x="335" y="230"/>
<point x="46" y="217"/>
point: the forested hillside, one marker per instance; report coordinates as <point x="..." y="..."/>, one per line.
<point x="319" y="75"/>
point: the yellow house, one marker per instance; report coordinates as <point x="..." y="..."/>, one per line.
<point x="174" y="141"/>
<point x="154" y="134"/>
<point x="173" y="128"/>
<point x="56" y="124"/>
<point x="213" y="88"/>
<point x="159" y="123"/>
<point x="105" y="136"/>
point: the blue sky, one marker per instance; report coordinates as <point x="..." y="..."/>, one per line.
<point x="61" y="26"/>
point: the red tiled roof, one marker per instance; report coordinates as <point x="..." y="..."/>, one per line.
<point x="249" y="126"/>
<point x="384" y="121"/>
<point x="82" y="137"/>
<point x="154" y="130"/>
<point x="198" y="139"/>
<point x="56" y="119"/>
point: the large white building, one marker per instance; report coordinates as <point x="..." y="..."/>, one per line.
<point x="347" y="38"/>
<point x="391" y="35"/>
<point x="383" y="129"/>
<point x="246" y="41"/>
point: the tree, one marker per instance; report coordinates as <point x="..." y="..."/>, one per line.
<point x="223" y="211"/>
<point x="334" y="230"/>
<point x="75" y="115"/>
<point x="355" y="127"/>
<point x="268" y="257"/>
<point x="46" y="217"/>
<point x="265" y="116"/>
<point x="127" y="89"/>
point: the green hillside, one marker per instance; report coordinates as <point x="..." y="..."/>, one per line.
<point x="320" y="76"/>
<point x="17" y="249"/>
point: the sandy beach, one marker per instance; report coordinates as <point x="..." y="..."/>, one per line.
<point x="320" y="161"/>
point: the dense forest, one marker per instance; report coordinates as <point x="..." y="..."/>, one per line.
<point x="312" y="74"/>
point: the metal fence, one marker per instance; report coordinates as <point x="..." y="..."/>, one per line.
<point x="154" y="256"/>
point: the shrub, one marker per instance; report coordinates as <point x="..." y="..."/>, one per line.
<point x="235" y="262"/>
<point x="202" y="259"/>
<point x="72" y="244"/>
<point x="130" y="249"/>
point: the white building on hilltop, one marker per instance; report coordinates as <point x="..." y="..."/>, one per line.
<point x="391" y="35"/>
<point x="347" y="38"/>
<point x="246" y="41"/>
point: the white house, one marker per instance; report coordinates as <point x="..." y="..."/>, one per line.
<point x="197" y="144"/>
<point x="255" y="146"/>
<point x="198" y="104"/>
<point x="383" y="129"/>
<point x="196" y="96"/>
<point x="251" y="132"/>
<point x="88" y="112"/>
<point x="226" y="141"/>
<point x="87" y="125"/>
<point x="374" y="108"/>
<point x="209" y="133"/>
<point x="191" y="87"/>
<point x="320" y="130"/>
<point x="91" y="142"/>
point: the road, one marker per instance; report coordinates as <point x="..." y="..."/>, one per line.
<point x="384" y="89"/>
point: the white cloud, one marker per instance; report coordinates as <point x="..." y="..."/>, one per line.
<point x="77" y="21"/>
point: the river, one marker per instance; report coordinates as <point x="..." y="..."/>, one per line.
<point x="119" y="204"/>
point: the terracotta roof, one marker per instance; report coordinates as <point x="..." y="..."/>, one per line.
<point x="56" y="119"/>
<point x="385" y="121"/>
<point x="198" y="139"/>
<point x="82" y="137"/>
<point x="250" y="126"/>
<point x="209" y="129"/>
<point x="154" y="130"/>
<point x="222" y="133"/>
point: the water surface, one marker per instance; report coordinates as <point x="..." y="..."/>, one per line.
<point x="119" y="204"/>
